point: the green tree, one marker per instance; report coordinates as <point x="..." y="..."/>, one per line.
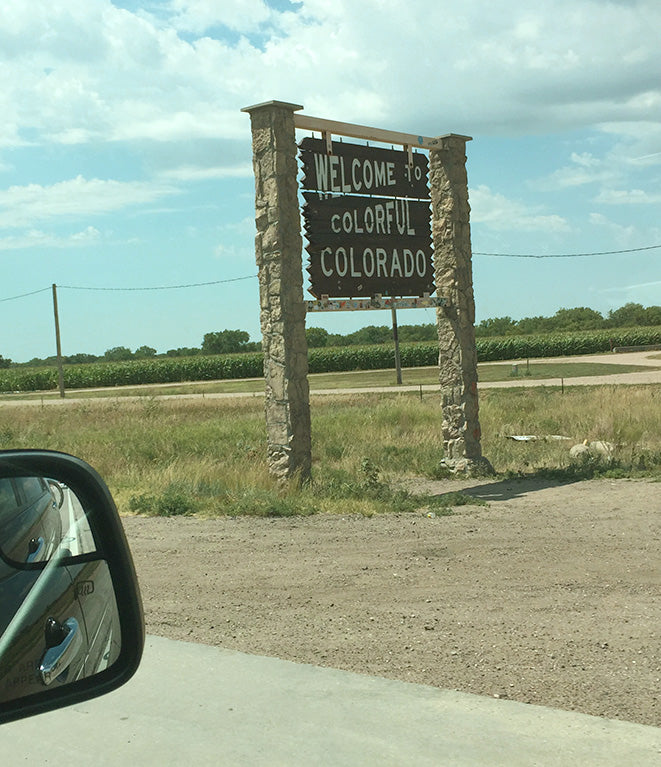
<point x="580" y="318"/>
<point x="653" y="315"/>
<point x="183" y="351"/>
<point x="4" y="363"/>
<point x="370" y="334"/>
<point x="144" y="352"/>
<point x="337" y="339"/>
<point x="424" y="332"/>
<point x="496" y="326"/>
<point x="531" y="325"/>
<point x="628" y="316"/>
<point x="81" y="358"/>
<point x="225" y="342"/>
<point x="316" y="337"/>
<point x="118" y="354"/>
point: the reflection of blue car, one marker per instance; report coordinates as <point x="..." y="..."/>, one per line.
<point x="30" y="522"/>
<point x="69" y="628"/>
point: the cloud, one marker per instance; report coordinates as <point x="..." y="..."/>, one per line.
<point x="637" y="142"/>
<point x="648" y="159"/>
<point x="203" y="173"/>
<point x="642" y="292"/>
<point x="89" y="72"/>
<point x="245" y="226"/>
<point x="23" y="206"/>
<point x="198" y="16"/>
<point x="584" y="169"/>
<point x="617" y="166"/>
<point x="498" y="212"/>
<point x="627" y="197"/>
<point x="38" y="239"/>
<point x="623" y="235"/>
<point x="236" y="255"/>
<point x="653" y="284"/>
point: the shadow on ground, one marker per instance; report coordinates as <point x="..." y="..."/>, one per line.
<point x="505" y="489"/>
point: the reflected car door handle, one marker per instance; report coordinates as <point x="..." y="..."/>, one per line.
<point x="57" y="658"/>
<point x="35" y="548"/>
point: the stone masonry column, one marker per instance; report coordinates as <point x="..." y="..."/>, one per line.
<point x="455" y="322"/>
<point x="278" y="247"/>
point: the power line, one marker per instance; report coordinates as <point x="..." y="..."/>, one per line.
<point x="565" y="255"/>
<point x="24" y="295"/>
<point x="161" y="287"/>
<point x="253" y="276"/>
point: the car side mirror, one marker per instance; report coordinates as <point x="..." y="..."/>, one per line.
<point x="71" y="621"/>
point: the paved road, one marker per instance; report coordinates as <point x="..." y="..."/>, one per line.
<point x="199" y="705"/>
<point x="647" y="359"/>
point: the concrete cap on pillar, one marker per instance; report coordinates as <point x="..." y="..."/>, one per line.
<point x="454" y="135"/>
<point x="273" y="104"/>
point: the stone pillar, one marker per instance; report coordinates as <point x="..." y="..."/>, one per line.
<point x="456" y="321"/>
<point x="278" y="247"/>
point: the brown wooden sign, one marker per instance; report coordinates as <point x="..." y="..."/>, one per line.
<point x="333" y="220"/>
<point x="350" y="271"/>
<point x="357" y="169"/>
<point x="360" y="246"/>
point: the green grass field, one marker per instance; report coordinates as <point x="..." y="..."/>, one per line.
<point x="208" y="456"/>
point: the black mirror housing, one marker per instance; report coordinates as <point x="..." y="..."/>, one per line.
<point x="117" y="595"/>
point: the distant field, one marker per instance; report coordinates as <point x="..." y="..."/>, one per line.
<point x="241" y="366"/>
<point x="364" y="379"/>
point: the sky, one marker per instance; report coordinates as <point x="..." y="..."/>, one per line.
<point x="125" y="161"/>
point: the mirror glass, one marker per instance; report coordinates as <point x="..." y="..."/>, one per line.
<point x="40" y="517"/>
<point x="59" y="620"/>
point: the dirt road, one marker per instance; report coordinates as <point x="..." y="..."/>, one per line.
<point x="550" y="594"/>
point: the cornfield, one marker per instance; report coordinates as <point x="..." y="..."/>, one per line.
<point x="321" y="360"/>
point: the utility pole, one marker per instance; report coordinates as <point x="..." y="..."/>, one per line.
<point x="395" y="335"/>
<point x="58" y="345"/>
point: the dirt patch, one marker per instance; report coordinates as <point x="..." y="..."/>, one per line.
<point x="548" y="595"/>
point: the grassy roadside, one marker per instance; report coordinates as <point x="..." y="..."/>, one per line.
<point x="359" y="379"/>
<point x="208" y="456"/>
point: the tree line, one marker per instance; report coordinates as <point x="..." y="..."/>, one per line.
<point x="220" y="342"/>
<point x="564" y="320"/>
<point x="630" y="315"/>
<point x="233" y="341"/>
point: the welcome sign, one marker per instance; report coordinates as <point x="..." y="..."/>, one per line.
<point x="367" y="221"/>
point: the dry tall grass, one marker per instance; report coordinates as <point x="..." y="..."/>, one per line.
<point x="626" y="417"/>
<point x="208" y="455"/>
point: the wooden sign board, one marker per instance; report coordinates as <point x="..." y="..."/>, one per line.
<point x="333" y="220"/>
<point x="363" y="245"/>
<point x="357" y="169"/>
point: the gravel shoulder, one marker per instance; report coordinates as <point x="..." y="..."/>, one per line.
<point x="550" y="594"/>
